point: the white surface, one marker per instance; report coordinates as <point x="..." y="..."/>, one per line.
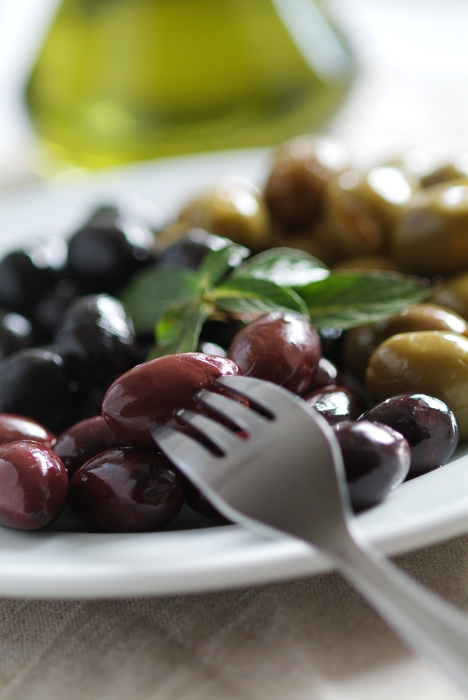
<point x="72" y="564"/>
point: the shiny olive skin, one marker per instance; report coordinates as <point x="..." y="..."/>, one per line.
<point x="51" y="309"/>
<point x="22" y="282"/>
<point x="301" y="171"/>
<point x="14" y="427"/>
<point x="428" y="362"/>
<point x="85" y="440"/>
<point x="108" y="250"/>
<point x="234" y="209"/>
<point x="96" y="340"/>
<point x="427" y="423"/>
<point x="16" y="333"/>
<point x="33" y="485"/>
<point x="336" y="403"/>
<point x="327" y="374"/>
<point x="376" y="460"/>
<point x="281" y="347"/>
<point x="453" y="294"/>
<point x="155" y="391"/>
<point x="127" y="490"/>
<point x="359" y="343"/>
<point x="430" y="238"/>
<point x="190" y="250"/>
<point x="34" y="383"/>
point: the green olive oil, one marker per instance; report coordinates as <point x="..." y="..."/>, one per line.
<point x="124" y="80"/>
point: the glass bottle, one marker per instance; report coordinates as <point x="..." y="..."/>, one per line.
<point x="124" y="80"/>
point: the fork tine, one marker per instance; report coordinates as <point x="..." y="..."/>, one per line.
<point x="243" y="417"/>
<point x="220" y="436"/>
<point x="185" y="452"/>
<point x="260" y="392"/>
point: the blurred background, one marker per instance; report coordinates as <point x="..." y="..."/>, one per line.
<point x="96" y="83"/>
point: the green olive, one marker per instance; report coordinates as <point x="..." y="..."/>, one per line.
<point x="453" y="293"/>
<point x="360" y="343"/>
<point x="431" y="238"/>
<point x="429" y="362"/>
<point x="301" y="170"/>
<point x="234" y="209"/>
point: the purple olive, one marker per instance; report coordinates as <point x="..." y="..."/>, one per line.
<point x="14" y="428"/>
<point x="127" y="490"/>
<point x="336" y="403"/>
<point x="281" y="347"/>
<point x="427" y="423"/>
<point x="33" y="485"/>
<point x="376" y="460"/>
<point x="84" y="440"/>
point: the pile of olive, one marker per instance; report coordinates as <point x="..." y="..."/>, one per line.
<point x="393" y="391"/>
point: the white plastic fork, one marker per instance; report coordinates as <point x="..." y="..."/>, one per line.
<point x="287" y="475"/>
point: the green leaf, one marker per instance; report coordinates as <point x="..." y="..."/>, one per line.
<point x="179" y="329"/>
<point x="248" y="294"/>
<point x="286" y="267"/>
<point x="348" y="300"/>
<point x="216" y="263"/>
<point x="153" y="290"/>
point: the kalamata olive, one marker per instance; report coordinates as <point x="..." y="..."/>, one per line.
<point x="14" y="427"/>
<point x="376" y="460"/>
<point x="198" y="502"/>
<point x="327" y="374"/>
<point x="453" y="294"/>
<point x="22" y="282"/>
<point x="359" y="343"/>
<point x="50" y="311"/>
<point x="154" y="391"/>
<point x="33" y="383"/>
<point x="427" y="423"/>
<point x="281" y="347"/>
<point x="336" y="403"/>
<point x="301" y="171"/>
<point x="127" y="490"/>
<point x="111" y="247"/>
<point x="33" y="485"/>
<point x="428" y="362"/>
<point x="234" y="209"/>
<point x="84" y="440"/>
<point x="190" y="250"/>
<point x="96" y="340"/>
<point x="16" y="333"/>
<point x="430" y="237"/>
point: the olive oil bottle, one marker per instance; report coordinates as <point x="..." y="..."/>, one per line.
<point x="124" y="80"/>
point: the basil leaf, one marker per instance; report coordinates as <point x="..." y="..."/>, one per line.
<point x="216" y="263"/>
<point x="287" y="267"/>
<point x="248" y="294"/>
<point x="153" y="290"/>
<point x="179" y="328"/>
<point x="348" y="300"/>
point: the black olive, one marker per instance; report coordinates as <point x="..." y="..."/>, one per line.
<point x="33" y="383"/>
<point x="51" y="309"/>
<point x="96" y="340"/>
<point x="16" y="333"/>
<point x="22" y="282"/>
<point x="190" y="250"/>
<point x="108" y="250"/>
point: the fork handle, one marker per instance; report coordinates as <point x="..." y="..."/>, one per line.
<point x="433" y="628"/>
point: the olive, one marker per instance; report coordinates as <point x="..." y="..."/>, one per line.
<point x="359" y="343"/>
<point x="327" y="374"/>
<point x="33" y="383"/>
<point x="33" y="485"/>
<point x="23" y="282"/>
<point x="369" y="263"/>
<point x="301" y="171"/>
<point x="428" y="362"/>
<point x="281" y="347"/>
<point x="127" y="490"/>
<point x="108" y="250"/>
<point x="331" y="339"/>
<point x="336" y="403"/>
<point x="16" y="333"/>
<point x="50" y="311"/>
<point x="376" y="460"/>
<point x="84" y="440"/>
<point x="96" y="340"/>
<point x="155" y="391"/>
<point x="197" y="501"/>
<point x="453" y="170"/>
<point x="427" y="423"/>
<point x="430" y="238"/>
<point x="234" y="209"/>
<point x="453" y="293"/>
<point x="190" y="250"/>
<point x="13" y="428"/>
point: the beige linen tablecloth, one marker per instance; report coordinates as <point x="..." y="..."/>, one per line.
<point x="309" y="639"/>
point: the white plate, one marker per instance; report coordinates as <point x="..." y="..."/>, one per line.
<point x="64" y="563"/>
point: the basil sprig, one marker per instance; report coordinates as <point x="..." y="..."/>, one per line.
<point x="175" y="302"/>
